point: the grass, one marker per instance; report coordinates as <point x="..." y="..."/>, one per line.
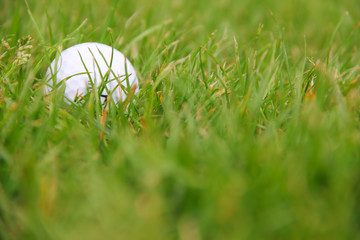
<point x="246" y="125"/>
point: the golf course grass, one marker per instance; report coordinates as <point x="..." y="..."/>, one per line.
<point x="246" y="125"/>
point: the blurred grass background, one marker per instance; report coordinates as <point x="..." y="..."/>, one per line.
<point x="246" y="125"/>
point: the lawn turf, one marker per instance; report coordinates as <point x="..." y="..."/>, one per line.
<point x="246" y="125"/>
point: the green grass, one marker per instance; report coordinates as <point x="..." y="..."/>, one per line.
<point x="246" y="125"/>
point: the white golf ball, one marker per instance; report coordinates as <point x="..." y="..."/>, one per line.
<point x="85" y="66"/>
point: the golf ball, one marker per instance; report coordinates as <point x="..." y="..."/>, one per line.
<point x="87" y="65"/>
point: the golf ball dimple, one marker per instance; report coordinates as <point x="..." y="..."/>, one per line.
<point x="87" y="65"/>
